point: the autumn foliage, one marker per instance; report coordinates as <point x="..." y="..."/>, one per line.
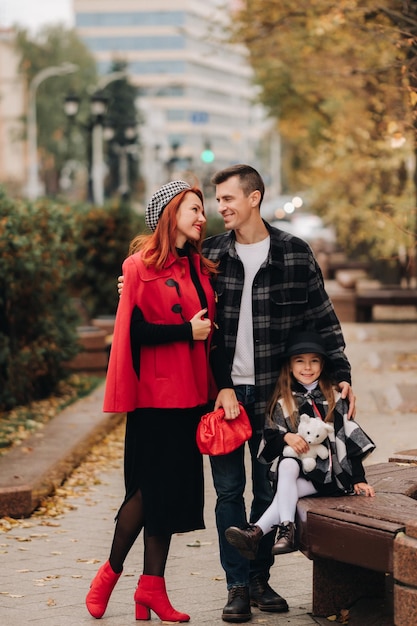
<point x="340" y="79"/>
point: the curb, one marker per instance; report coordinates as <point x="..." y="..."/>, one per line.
<point x="32" y="471"/>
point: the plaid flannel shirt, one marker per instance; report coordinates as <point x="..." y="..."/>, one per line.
<point x="288" y="294"/>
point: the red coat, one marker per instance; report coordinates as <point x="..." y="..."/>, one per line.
<point x="173" y="375"/>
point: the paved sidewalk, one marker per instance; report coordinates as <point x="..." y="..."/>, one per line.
<point x="47" y="563"/>
<point x="46" y="569"/>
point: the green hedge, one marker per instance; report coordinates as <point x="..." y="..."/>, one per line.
<point x="37" y="334"/>
<point x="103" y="237"/>
<point x="49" y="254"/>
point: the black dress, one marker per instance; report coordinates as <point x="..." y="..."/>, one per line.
<point x="163" y="461"/>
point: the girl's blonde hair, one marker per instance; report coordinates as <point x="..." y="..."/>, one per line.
<point x="157" y="246"/>
<point x="283" y="391"/>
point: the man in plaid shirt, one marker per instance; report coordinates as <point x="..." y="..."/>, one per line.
<point x="269" y="284"/>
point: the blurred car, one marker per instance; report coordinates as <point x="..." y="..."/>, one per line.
<point x="312" y="229"/>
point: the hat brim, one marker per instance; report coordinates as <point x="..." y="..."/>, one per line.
<point x="306" y="348"/>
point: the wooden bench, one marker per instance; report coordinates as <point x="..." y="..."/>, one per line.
<point x="385" y="296"/>
<point x="364" y="547"/>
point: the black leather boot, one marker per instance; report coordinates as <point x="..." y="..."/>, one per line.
<point x="237" y="608"/>
<point x="264" y="597"/>
<point x="245" y="540"/>
<point x="285" y="540"/>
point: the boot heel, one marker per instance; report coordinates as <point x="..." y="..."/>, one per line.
<point x="150" y="594"/>
<point x="142" y="612"/>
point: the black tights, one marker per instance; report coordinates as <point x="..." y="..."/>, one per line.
<point x="128" y="526"/>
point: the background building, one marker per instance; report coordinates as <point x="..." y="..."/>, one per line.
<point x="195" y="92"/>
<point x="13" y="156"/>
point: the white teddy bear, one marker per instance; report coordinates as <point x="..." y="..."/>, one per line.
<point x="314" y="431"/>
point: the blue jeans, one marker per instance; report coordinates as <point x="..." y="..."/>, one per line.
<point x="229" y="478"/>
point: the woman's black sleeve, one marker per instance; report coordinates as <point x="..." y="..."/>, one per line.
<point x="218" y="361"/>
<point x="144" y="333"/>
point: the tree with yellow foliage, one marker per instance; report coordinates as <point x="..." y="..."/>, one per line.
<point x="340" y="78"/>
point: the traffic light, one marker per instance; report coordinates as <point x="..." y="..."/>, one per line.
<point x="207" y="156"/>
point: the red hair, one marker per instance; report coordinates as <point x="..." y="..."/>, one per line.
<point x="157" y="246"/>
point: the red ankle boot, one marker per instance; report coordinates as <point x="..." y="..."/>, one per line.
<point x="151" y="594"/>
<point x="100" y="590"/>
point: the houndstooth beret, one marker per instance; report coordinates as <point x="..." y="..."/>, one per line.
<point x="160" y="199"/>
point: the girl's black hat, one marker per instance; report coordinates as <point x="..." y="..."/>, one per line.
<point x="304" y="342"/>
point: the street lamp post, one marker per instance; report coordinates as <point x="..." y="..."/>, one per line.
<point x="125" y="149"/>
<point x="59" y="70"/>
<point x="98" y="105"/>
<point x="97" y="165"/>
<point x="98" y="110"/>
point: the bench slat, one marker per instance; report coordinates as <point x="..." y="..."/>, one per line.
<point x="387" y="507"/>
<point x="393" y="478"/>
<point x="361" y="520"/>
<point x="348" y="542"/>
<point x="395" y="297"/>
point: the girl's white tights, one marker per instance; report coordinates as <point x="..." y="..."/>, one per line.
<point x="290" y="488"/>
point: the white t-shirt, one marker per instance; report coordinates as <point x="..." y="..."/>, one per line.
<point x="252" y="256"/>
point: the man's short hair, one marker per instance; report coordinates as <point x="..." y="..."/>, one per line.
<point x="249" y="179"/>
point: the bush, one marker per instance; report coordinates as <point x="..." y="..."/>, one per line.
<point x="38" y="324"/>
<point x="103" y="237"/>
<point x="215" y="225"/>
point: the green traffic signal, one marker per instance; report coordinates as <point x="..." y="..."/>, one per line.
<point x="207" y="156"/>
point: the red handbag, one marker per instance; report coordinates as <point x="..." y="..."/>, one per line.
<point x="215" y="435"/>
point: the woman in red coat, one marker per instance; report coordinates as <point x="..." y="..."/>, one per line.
<point x="166" y="363"/>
